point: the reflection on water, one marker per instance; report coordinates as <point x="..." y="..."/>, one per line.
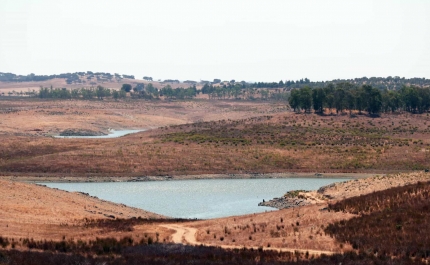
<point x="203" y="199"/>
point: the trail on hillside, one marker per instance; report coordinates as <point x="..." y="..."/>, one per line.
<point x="187" y="235"/>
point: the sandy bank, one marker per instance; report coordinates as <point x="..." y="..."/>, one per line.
<point x="343" y="190"/>
<point x="30" y="210"/>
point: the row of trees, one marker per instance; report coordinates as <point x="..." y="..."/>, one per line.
<point x="340" y="96"/>
<point x="150" y="92"/>
<point x="242" y="91"/>
<point x="382" y="83"/>
<point x="281" y="84"/>
<point x="389" y="83"/>
<point x="348" y="96"/>
<point x="98" y="92"/>
<point x="179" y="93"/>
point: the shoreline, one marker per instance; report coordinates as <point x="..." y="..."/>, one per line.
<point x="100" y="179"/>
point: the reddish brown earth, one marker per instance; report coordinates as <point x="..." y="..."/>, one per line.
<point x="295" y="228"/>
<point x="33" y="211"/>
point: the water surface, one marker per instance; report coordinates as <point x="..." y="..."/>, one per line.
<point x="208" y="198"/>
<point x="112" y="134"/>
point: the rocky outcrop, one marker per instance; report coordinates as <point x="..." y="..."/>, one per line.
<point x="324" y="188"/>
<point x="285" y="202"/>
<point x="290" y="200"/>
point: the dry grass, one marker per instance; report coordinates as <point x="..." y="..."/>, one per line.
<point x="300" y="228"/>
<point x="32" y="211"/>
<point x="248" y="138"/>
<point x="392" y="222"/>
<point x="34" y="117"/>
<point x="358" y="187"/>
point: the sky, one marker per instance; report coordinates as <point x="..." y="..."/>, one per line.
<point x="249" y="40"/>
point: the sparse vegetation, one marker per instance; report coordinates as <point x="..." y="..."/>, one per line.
<point x="269" y="143"/>
<point x="265" y="137"/>
<point x="174" y="254"/>
<point x="392" y="223"/>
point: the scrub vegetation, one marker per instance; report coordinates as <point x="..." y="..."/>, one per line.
<point x="274" y="143"/>
<point x="391" y="223"/>
<point x="364" y="125"/>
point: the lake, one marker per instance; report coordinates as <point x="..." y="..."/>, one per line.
<point x="112" y="134"/>
<point x="203" y="199"/>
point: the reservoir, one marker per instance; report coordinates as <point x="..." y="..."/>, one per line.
<point x="112" y="134"/>
<point x="203" y="199"/>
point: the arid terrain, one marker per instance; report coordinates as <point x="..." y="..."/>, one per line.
<point x="302" y="227"/>
<point x="196" y="139"/>
<point x="35" y="117"/>
<point x="204" y="137"/>
<point x="41" y="213"/>
<point x="32" y="216"/>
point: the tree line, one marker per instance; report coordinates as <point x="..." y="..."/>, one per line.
<point x="139" y="91"/>
<point x="347" y="96"/>
<point x="242" y="91"/>
<point x="390" y="82"/>
<point x="382" y="83"/>
<point x="339" y="97"/>
<point x="98" y="92"/>
<point x="150" y="92"/>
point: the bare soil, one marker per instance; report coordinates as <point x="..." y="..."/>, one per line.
<point x="196" y="139"/>
<point x="237" y="138"/>
<point x="34" y="117"/>
<point x="296" y="228"/>
<point x="34" y="211"/>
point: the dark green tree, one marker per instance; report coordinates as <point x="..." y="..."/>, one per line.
<point x="306" y="98"/>
<point x="373" y="99"/>
<point x="329" y="91"/>
<point x="126" y="87"/>
<point x="339" y="99"/>
<point x="351" y="100"/>
<point x="318" y="99"/>
<point x="294" y="99"/>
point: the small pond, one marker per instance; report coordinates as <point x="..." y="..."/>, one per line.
<point x="112" y="134"/>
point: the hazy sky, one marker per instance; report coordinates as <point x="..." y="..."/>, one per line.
<point x="205" y="39"/>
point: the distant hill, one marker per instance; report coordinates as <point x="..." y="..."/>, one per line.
<point x="90" y="78"/>
<point x="71" y="78"/>
<point x="10" y="82"/>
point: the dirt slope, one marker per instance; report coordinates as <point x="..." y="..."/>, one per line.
<point x="29" y="210"/>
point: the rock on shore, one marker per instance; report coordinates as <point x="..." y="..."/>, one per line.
<point x="347" y="189"/>
<point x="285" y="202"/>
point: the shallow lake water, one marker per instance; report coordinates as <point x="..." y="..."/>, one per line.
<point x="203" y="199"/>
<point x="112" y="134"/>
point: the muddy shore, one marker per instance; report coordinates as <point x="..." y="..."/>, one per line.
<point x="134" y="178"/>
